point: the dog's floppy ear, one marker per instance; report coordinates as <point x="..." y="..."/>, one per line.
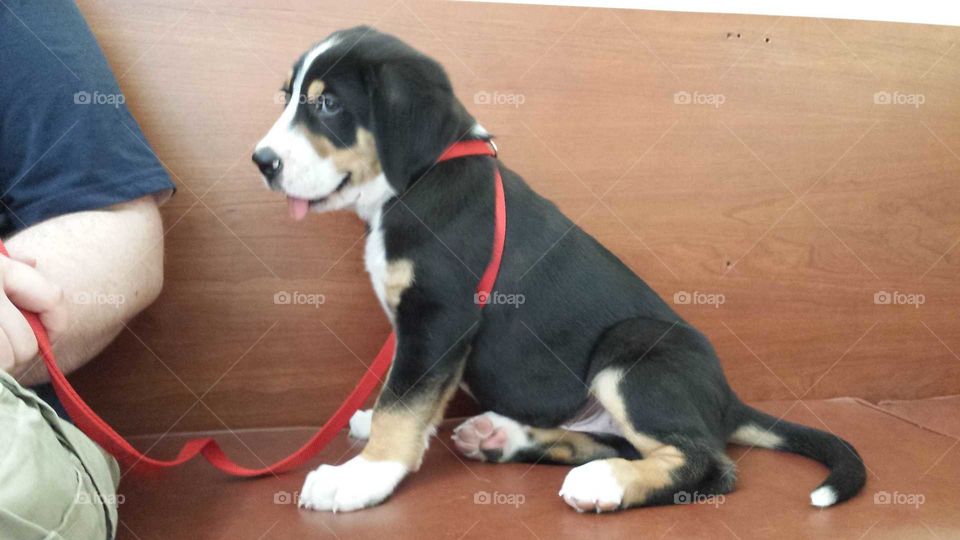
<point x="415" y="116"/>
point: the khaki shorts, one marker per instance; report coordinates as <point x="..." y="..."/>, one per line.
<point x="55" y="483"/>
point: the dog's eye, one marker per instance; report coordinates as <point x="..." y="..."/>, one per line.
<point x="326" y="104"/>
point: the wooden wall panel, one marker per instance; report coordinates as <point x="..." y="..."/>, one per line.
<point x="798" y="198"/>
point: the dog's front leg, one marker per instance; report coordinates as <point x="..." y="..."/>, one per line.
<point x="404" y="417"/>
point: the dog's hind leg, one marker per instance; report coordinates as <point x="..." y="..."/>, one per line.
<point x="495" y="438"/>
<point x="659" y="384"/>
<point x="674" y="468"/>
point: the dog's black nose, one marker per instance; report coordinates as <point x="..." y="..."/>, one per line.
<point x="268" y="162"/>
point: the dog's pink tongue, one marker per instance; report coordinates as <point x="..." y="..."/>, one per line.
<point x="298" y="207"/>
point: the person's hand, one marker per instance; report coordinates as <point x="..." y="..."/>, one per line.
<point x="24" y="287"/>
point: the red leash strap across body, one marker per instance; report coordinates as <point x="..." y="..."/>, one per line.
<point x="97" y="429"/>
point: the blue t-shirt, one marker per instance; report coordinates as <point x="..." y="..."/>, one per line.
<point x="67" y="141"/>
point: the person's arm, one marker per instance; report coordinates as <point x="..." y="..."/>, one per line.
<point x="109" y="264"/>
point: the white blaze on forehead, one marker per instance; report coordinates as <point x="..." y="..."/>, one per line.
<point x="307" y="63"/>
<point x="286" y="119"/>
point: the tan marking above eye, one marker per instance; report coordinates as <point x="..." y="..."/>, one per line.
<point x="288" y="81"/>
<point x="315" y="90"/>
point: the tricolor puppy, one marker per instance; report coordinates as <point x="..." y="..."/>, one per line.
<point x="592" y="370"/>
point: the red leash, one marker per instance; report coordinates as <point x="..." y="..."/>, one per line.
<point x="97" y="429"/>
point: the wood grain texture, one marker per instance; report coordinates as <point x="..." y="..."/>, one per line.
<point x="797" y="198"/>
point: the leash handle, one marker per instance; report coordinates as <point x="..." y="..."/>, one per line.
<point x="100" y="431"/>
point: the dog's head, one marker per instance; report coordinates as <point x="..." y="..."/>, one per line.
<point x="358" y="105"/>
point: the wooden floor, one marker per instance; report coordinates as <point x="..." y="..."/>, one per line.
<point x="910" y="492"/>
<point x="753" y="159"/>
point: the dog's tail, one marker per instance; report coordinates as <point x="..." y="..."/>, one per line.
<point x="751" y="427"/>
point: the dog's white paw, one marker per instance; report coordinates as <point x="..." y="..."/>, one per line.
<point x="592" y="487"/>
<point x="360" y="424"/>
<point x="490" y="437"/>
<point x="356" y="484"/>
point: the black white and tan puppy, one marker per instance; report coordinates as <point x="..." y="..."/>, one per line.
<point x="593" y="370"/>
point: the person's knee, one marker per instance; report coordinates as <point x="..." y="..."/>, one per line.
<point x="51" y="480"/>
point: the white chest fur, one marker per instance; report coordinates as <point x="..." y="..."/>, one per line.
<point x="375" y="259"/>
<point x="389" y="278"/>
